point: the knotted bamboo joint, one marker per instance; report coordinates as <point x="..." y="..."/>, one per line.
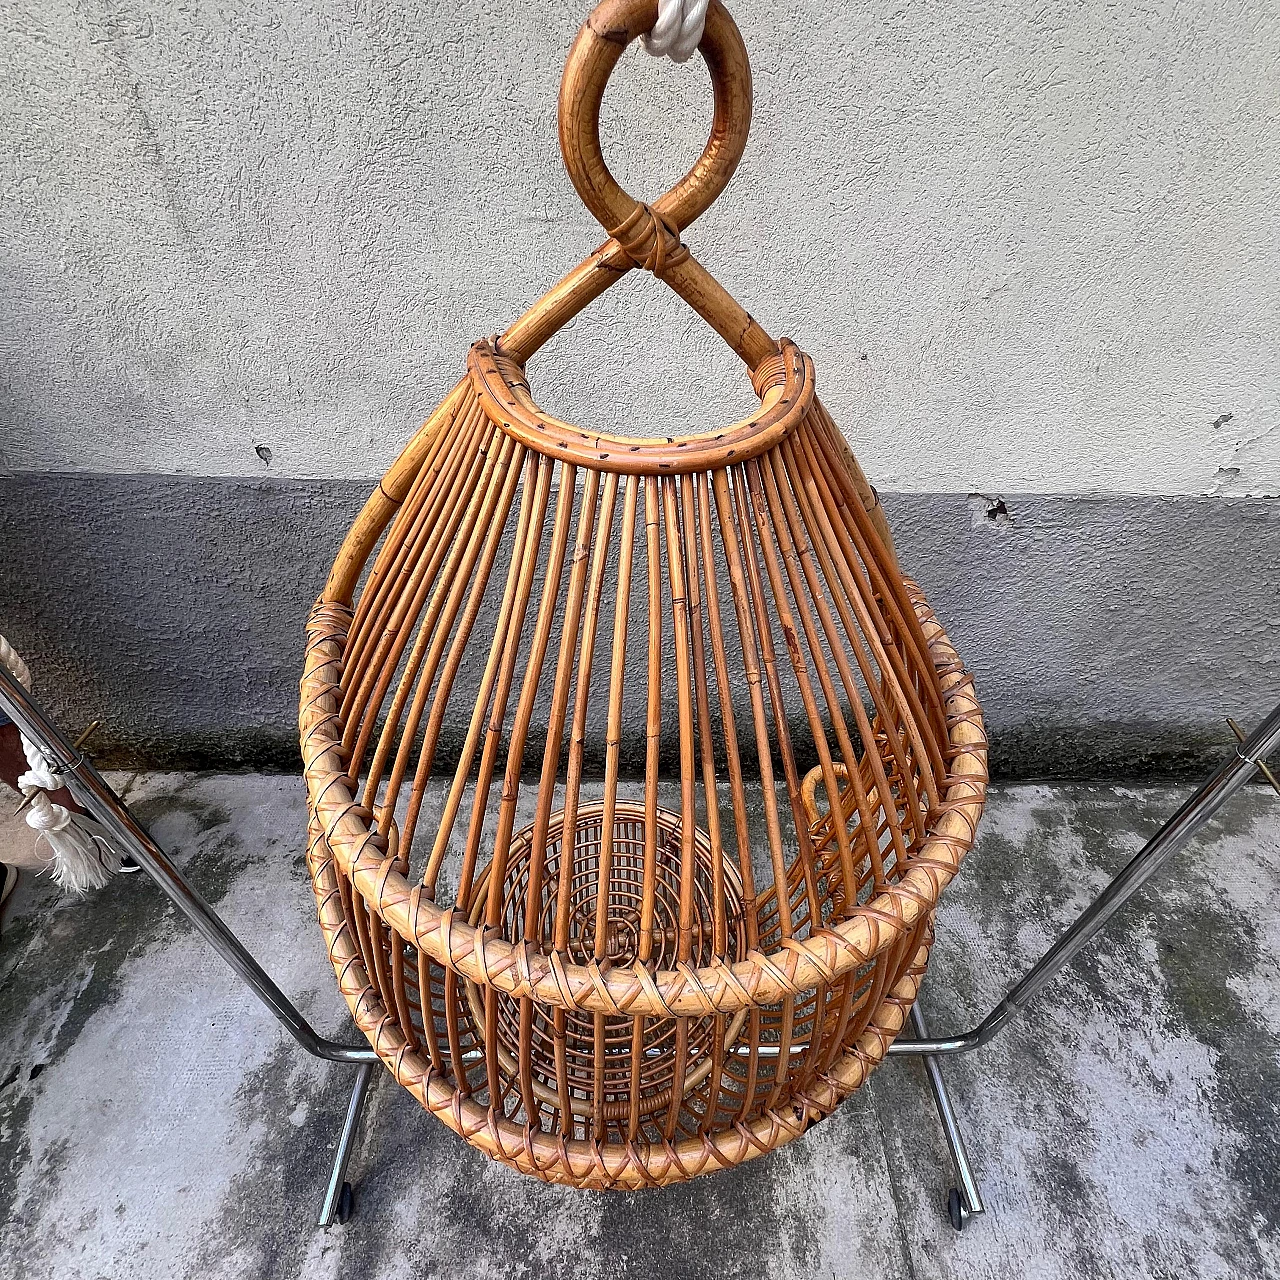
<point x="651" y="240"/>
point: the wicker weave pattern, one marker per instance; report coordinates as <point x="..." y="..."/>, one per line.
<point x="616" y="994"/>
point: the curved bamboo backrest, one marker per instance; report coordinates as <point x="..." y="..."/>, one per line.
<point x="605" y="981"/>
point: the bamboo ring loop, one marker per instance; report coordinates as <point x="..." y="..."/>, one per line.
<point x="595" y="53"/>
<point x="553" y="1158"/>
<point x="826" y="955"/>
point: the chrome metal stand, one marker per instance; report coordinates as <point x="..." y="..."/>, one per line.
<point x="93" y="792"/>
<point x="339" y="1198"/>
<point x="964" y="1199"/>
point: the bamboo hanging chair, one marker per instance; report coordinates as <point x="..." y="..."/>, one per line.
<point x="587" y="976"/>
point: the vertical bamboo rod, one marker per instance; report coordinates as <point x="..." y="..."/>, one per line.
<point x="440" y="493"/>
<point x="747" y="522"/>
<point x="367" y="695"/>
<point x="751" y="668"/>
<point x="729" y="732"/>
<point x="558" y="709"/>
<point x="496" y="681"/>
<point x="885" y="580"/>
<point x="688" y="816"/>
<point x="437" y="621"/>
<point x="834" y="517"/>
<point x="684" y="704"/>
<point x="764" y="496"/>
<point x="510" y="596"/>
<point x="613" y="746"/>
<point x="653" y="717"/>
<point x="578" y="726"/>
<point x="799" y="562"/>
<point x="702" y="700"/>
<point x="437" y="436"/>
<point x="475" y="579"/>
<point x="561" y="528"/>
<point x="809" y="515"/>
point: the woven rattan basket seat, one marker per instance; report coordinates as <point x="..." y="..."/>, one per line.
<point x="635" y="766"/>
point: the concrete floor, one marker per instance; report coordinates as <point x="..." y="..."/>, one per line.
<point x="154" y="1122"/>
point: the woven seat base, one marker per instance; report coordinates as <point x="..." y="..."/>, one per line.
<point x="609" y="1070"/>
<point x="607" y="1164"/>
<point x="606" y="1100"/>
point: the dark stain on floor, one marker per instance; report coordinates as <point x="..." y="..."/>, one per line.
<point x="78" y="949"/>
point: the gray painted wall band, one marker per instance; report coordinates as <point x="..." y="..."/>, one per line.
<point x="1107" y="634"/>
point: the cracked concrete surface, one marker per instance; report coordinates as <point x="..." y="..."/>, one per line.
<point x="154" y="1122"/>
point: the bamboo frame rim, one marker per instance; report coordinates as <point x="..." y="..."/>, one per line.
<point x="812" y="581"/>
<point x="588" y="1164"/>
<point x="503" y="389"/>
<point x="520" y="970"/>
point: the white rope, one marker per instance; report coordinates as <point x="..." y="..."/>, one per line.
<point x="678" y="31"/>
<point x="80" y="856"/>
<point x="14" y="664"/>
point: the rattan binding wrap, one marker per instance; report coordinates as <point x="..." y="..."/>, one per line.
<point x="589" y="976"/>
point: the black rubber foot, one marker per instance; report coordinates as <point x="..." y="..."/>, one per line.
<point x="955" y="1209"/>
<point x="346" y="1203"/>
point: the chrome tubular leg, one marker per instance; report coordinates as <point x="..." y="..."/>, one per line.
<point x="1214" y="792"/>
<point x="95" y="794"/>
<point x="339" y="1199"/>
<point x="964" y="1200"/>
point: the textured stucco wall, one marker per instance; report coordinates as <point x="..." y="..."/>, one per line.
<point x="1035" y="251"/>
<point x="1033" y="248"/>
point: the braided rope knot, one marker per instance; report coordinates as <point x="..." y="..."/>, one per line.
<point x="78" y="853"/>
<point x="44" y="815"/>
<point x="678" y="31"/>
<point x="651" y="240"/>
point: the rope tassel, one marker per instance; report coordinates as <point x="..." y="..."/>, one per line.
<point x="80" y="857"/>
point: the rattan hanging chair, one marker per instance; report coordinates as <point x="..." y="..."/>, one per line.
<point x="609" y="972"/>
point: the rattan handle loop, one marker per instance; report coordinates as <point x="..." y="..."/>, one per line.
<point x="601" y="42"/>
<point x="809" y="796"/>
